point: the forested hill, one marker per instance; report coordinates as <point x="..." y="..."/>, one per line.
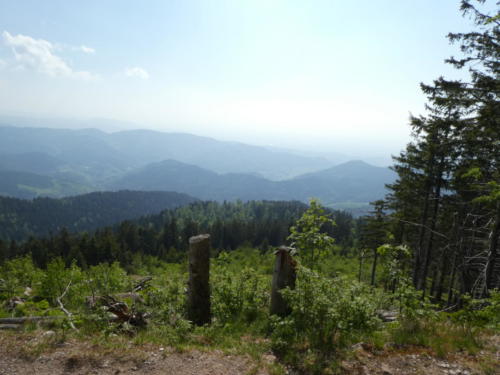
<point x="28" y="185"/>
<point x="165" y="235"/>
<point x="20" y="219"/>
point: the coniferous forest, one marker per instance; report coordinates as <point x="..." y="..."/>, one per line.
<point x="445" y="204"/>
<point x="294" y="288"/>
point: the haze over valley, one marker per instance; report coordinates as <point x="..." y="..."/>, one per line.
<point x="62" y="162"/>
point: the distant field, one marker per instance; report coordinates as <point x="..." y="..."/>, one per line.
<point x="356" y="208"/>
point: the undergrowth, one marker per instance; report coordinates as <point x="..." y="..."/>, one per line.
<point x="329" y="313"/>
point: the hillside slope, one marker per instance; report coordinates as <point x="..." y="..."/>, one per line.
<point x="80" y="213"/>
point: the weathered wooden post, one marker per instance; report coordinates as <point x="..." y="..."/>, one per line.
<point x="198" y="298"/>
<point x="284" y="275"/>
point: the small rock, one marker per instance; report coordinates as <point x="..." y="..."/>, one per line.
<point x="386" y="370"/>
<point x="269" y="358"/>
<point x="48" y="334"/>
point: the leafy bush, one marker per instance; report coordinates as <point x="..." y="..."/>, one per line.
<point x="18" y="274"/>
<point x="479" y="313"/>
<point x="308" y="238"/>
<point x="57" y="278"/>
<point x="413" y="309"/>
<point x="105" y="279"/>
<point x="243" y="294"/>
<point x="167" y="304"/>
<point x="326" y="313"/>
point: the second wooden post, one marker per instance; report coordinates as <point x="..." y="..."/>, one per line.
<point x="283" y="276"/>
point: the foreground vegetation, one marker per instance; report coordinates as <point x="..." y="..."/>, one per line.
<point x="329" y="313"/>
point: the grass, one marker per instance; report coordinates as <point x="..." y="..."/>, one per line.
<point x="442" y="337"/>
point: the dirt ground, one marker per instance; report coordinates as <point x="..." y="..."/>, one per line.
<point x="421" y="362"/>
<point x="44" y="353"/>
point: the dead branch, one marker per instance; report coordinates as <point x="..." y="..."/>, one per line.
<point x="91" y="301"/>
<point x="64" y="310"/>
<point x="142" y="284"/>
<point x="122" y="312"/>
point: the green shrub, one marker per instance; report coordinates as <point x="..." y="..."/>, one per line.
<point x="167" y="304"/>
<point x="105" y="279"/>
<point x="479" y="313"/>
<point x="18" y="274"/>
<point x="307" y="236"/>
<point x="326" y="313"/>
<point x="237" y="295"/>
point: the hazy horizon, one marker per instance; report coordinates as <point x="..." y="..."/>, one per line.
<point x="325" y="76"/>
<point x="330" y="152"/>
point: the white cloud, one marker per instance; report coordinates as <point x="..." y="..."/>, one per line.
<point x="3" y="64"/>
<point x="137" y="72"/>
<point x="86" y="49"/>
<point x="37" y="54"/>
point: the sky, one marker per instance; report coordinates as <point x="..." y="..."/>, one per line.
<point x="318" y="75"/>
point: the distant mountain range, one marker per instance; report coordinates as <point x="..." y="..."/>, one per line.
<point x="60" y="162"/>
<point x="99" y="155"/>
<point x="354" y="181"/>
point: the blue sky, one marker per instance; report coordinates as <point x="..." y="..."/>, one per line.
<point x="324" y="75"/>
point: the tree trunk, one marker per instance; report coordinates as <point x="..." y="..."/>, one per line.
<point x="428" y="249"/>
<point x="198" y="298"/>
<point x="439" y="285"/>
<point x="493" y="251"/>
<point x="452" y="279"/>
<point x="374" y="267"/>
<point x="457" y="248"/>
<point x="284" y="276"/>
<point x="361" y="258"/>
<point x="421" y="237"/>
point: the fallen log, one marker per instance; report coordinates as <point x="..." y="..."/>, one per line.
<point x="91" y="301"/>
<point x="9" y="326"/>
<point x="29" y="319"/>
<point x="142" y="284"/>
<point x="387" y="316"/>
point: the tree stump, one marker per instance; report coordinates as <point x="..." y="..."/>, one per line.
<point x="198" y="298"/>
<point x="284" y="275"/>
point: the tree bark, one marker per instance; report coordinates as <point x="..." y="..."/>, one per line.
<point x="421" y="237"/>
<point x="428" y="249"/>
<point x="438" y="293"/>
<point x="198" y="299"/>
<point x="361" y="258"/>
<point x="493" y="251"/>
<point x="452" y="279"/>
<point x="374" y="267"/>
